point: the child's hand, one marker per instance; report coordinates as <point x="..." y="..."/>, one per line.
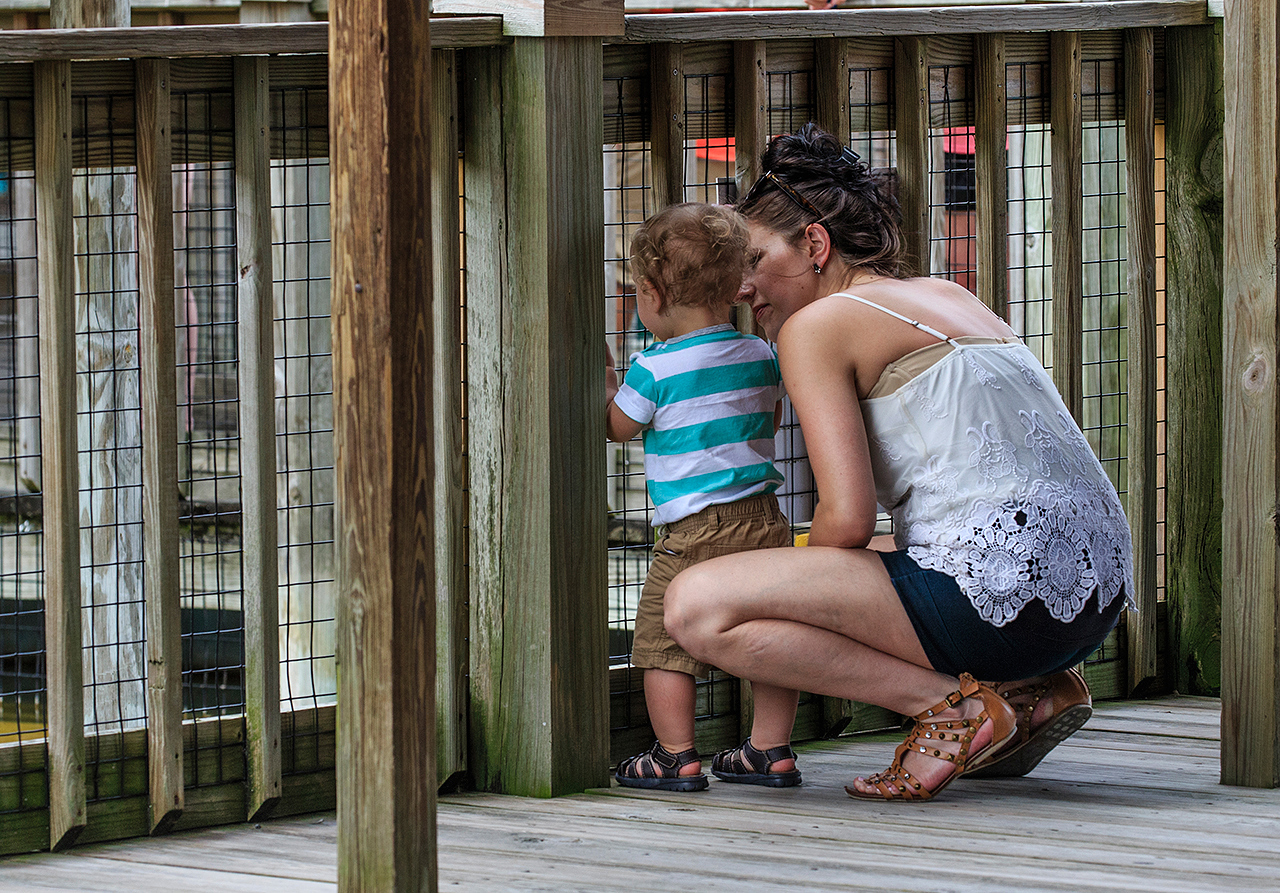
<point x="822" y="4"/>
<point x="610" y="373"/>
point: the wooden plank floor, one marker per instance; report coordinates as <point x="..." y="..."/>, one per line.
<point x="1131" y="803"/>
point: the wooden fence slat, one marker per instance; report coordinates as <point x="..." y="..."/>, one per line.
<point x="193" y="41"/>
<point x="451" y="470"/>
<point x="1067" y="147"/>
<point x="666" y="82"/>
<point x="1099" y="15"/>
<point x="259" y="537"/>
<point x="911" y="80"/>
<point x="1193" y="258"/>
<point x="382" y="310"/>
<point x="159" y="399"/>
<point x="992" y="172"/>
<point x="1251" y="405"/>
<point x="1140" y="229"/>
<point x="535" y="419"/>
<point x="59" y="462"/>
<point x="831" y="99"/>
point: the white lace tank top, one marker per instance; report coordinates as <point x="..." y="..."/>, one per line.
<point x="990" y="480"/>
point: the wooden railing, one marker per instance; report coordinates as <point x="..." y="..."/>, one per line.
<point x="521" y="663"/>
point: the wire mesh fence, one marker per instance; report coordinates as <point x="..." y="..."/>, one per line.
<point x="206" y="277"/>
<point x="23" y="784"/>
<point x="207" y="360"/>
<point x="304" y="408"/>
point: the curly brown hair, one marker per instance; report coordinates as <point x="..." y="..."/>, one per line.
<point x="694" y="253"/>
<point x="856" y="204"/>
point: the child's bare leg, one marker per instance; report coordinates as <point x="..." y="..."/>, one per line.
<point x="773" y="719"/>
<point x="669" y="695"/>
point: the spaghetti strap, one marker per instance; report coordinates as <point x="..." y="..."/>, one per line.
<point x="908" y="320"/>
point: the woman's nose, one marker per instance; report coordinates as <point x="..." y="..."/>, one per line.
<point x="747" y="291"/>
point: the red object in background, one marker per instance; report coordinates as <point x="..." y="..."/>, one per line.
<point x="715" y="150"/>
<point x="958" y="140"/>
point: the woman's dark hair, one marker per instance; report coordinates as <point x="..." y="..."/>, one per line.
<point x="856" y="204"/>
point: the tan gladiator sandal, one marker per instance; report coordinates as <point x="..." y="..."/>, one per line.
<point x="896" y="783"/>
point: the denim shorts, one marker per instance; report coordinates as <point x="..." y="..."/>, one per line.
<point x="957" y="640"/>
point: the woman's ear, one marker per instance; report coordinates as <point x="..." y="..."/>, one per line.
<point x="817" y="244"/>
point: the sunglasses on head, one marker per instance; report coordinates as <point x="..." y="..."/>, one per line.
<point x="846" y="154"/>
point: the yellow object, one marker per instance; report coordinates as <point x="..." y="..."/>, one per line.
<point x="802" y="539"/>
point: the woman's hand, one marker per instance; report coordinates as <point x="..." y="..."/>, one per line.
<point x="822" y="4"/>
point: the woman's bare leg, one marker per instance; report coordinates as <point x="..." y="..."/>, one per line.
<point x="825" y="620"/>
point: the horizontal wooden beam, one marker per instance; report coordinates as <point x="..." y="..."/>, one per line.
<point x="906" y="21"/>
<point x="79" y="44"/>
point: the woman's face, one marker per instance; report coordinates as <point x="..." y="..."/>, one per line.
<point x="779" y="280"/>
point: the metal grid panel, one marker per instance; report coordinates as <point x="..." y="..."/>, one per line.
<point x="210" y="557"/>
<point x="1104" y="250"/>
<point x="109" y="433"/>
<point x="953" y="250"/>
<point x="628" y="200"/>
<point x="22" y="655"/>
<point x="790" y="100"/>
<point x="871" y="121"/>
<point x="304" y="408"/>
<point x="708" y="145"/>
<point x="1030" y="209"/>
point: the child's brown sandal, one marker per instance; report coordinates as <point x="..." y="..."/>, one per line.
<point x="659" y="769"/>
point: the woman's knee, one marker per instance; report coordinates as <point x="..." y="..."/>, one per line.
<point x="686" y="609"/>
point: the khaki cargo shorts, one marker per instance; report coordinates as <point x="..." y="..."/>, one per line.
<point x="755" y="522"/>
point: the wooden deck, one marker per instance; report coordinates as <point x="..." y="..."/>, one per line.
<point x="1132" y="802"/>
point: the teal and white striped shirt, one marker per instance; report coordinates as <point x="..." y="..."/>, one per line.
<point x="708" y="401"/>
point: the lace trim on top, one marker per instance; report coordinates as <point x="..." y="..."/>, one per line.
<point x="1014" y="505"/>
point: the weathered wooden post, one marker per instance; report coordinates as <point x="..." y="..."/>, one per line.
<point x="1251" y="413"/>
<point x="380" y="104"/>
<point x="1193" y="165"/>
<point x="61" y="489"/>
<point x="535" y="312"/>
<point x="89" y="13"/>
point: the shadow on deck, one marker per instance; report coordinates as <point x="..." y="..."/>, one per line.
<point x="1132" y="802"/>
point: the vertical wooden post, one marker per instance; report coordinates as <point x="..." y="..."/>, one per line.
<point x="1251" y="414"/>
<point x="89" y="13"/>
<point x="1067" y="151"/>
<point x="380" y="127"/>
<point x="539" y="668"/>
<point x="992" y="172"/>
<point x="1140" y="229"/>
<point x="666" y="83"/>
<point x="451" y="471"/>
<point x="156" y="363"/>
<point x="259" y="531"/>
<point x="56" y="272"/>
<point x="488" y="322"/>
<point x="1193" y="259"/>
<point x="751" y="111"/>
<point x="911" y="115"/>
<point x="750" y="137"/>
<point x="831" y="70"/>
